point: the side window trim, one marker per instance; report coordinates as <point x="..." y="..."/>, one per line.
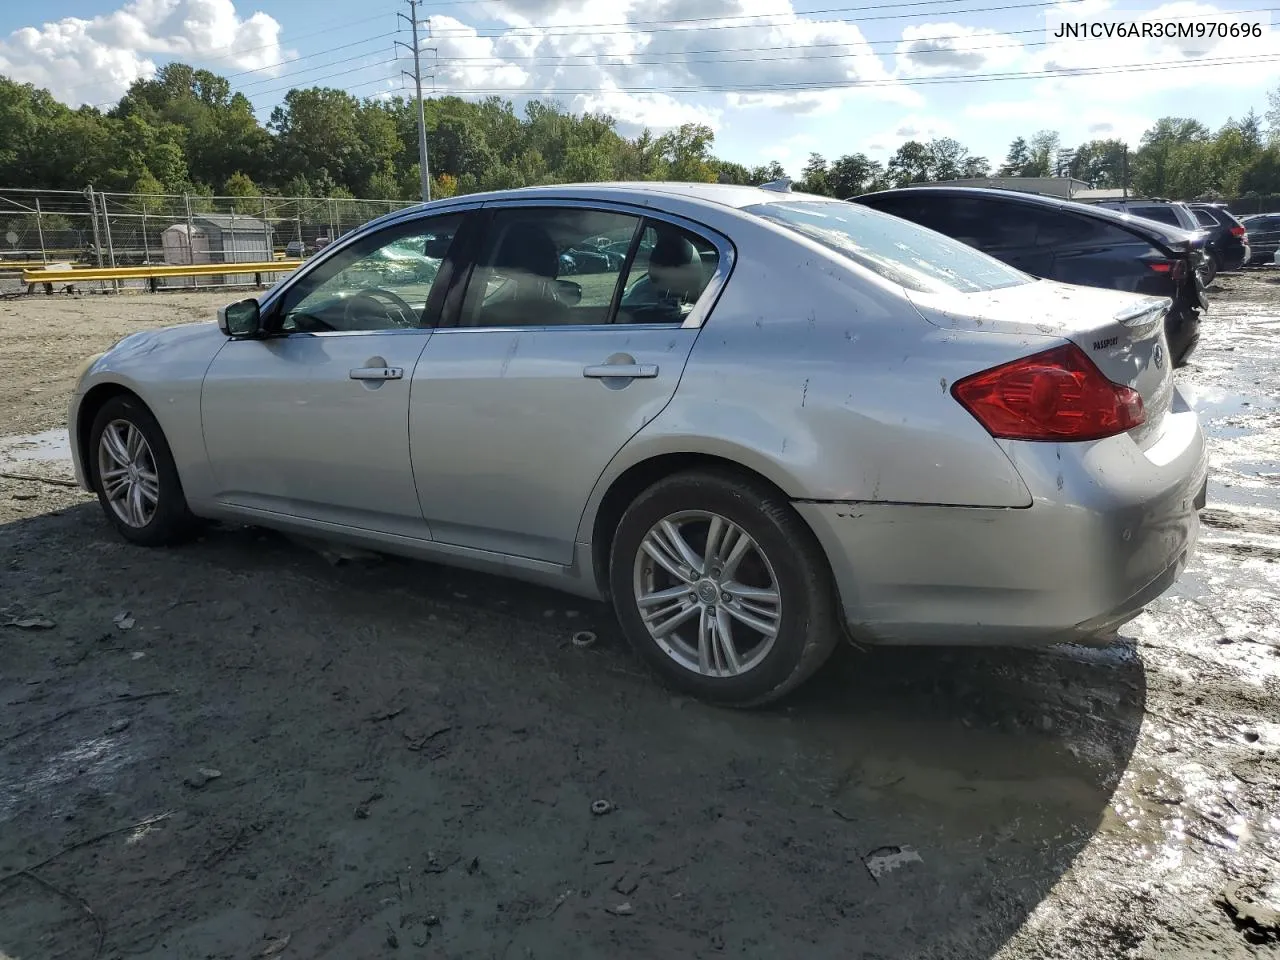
<point x="472" y="244"/>
<point x="273" y="300"/>
<point x="724" y="247"/>
<point x="629" y="261"/>
<point x="364" y="246"/>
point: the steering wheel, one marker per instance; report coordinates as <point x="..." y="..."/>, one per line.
<point x="408" y="316"/>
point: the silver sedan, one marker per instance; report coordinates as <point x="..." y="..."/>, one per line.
<point x="758" y="421"/>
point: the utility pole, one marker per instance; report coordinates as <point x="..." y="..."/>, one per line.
<point x="423" y="166"/>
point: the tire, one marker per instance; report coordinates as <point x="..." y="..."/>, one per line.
<point x="782" y="551"/>
<point x="1211" y="268"/>
<point x="167" y="520"/>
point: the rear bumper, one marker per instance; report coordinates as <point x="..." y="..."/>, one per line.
<point x="1111" y="528"/>
<point x="1236" y="256"/>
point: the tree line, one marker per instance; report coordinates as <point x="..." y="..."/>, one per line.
<point x="186" y="131"/>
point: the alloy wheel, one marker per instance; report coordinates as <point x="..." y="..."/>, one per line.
<point x="127" y="472"/>
<point x="707" y="593"/>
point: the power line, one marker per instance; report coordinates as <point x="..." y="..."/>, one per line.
<point x="716" y="23"/>
<point x="677" y="58"/>
<point x="310" y="56"/>
<point x="340" y="73"/>
<point x="297" y="73"/>
<point x="816" y="86"/>
<point x="549" y="58"/>
<point x="268" y="66"/>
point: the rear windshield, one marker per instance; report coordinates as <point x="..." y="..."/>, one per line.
<point x="1162" y="214"/>
<point x="900" y="251"/>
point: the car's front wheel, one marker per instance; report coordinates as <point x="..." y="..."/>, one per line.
<point x="722" y="588"/>
<point x="134" y="474"/>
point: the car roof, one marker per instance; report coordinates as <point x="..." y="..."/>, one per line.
<point x="1162" y="231"/>
<point x="645" y="191"/>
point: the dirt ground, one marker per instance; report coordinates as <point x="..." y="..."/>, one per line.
<point x="407" y="757"/>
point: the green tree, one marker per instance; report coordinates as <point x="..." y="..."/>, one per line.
<point x="247" y="196"/>
<point x="814" y="176"/>
<point x="1043" y="150"/>
<point x="1154" y="164"/>
<point x="1017" y="160"/>
<point x="686" y="154"/>
<point x="1100" y="162"/>
<point x="1273" y="117"/>
<point x="854" y="174"/>
<point x="912" y="163"/>
<point x="766" y="173"/>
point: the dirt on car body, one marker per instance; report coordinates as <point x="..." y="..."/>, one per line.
<point x="247" y="747"/>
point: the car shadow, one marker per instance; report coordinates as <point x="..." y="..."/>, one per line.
<point x="905" y="803"/>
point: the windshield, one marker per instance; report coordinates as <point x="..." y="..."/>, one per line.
<point x="900" y="251"/>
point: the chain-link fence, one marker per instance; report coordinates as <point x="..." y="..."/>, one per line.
<point x="93" y="228"/>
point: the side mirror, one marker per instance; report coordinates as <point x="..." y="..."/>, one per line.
<point x="568" y="292"/>
<point x="241" y="319"/>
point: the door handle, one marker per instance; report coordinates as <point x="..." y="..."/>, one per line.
<point x="376" y="373"/>
<point x="620" y="371"/>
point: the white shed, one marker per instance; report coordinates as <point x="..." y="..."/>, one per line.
<point x="184" y="245"/>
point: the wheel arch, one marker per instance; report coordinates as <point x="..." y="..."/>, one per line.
<point x="630" y="482"/>
<point x="87" y="411"/>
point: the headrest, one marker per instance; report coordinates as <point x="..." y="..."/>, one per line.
<point x="674" y="266"/>
<point x="528" y="248"/>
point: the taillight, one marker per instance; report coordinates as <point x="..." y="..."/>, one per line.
<point x="1059" y="394"/>
<point x="1237" y="231"/>
<point x="1176" y="269"/>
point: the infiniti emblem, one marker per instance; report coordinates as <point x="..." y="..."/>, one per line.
<point x="1157" y="355"/>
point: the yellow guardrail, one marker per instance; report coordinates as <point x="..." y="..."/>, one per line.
<point x="155" y="271"/>
<point x="8" y="265"/>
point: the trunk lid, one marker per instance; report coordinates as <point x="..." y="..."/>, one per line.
<point x="1122" y="333"/>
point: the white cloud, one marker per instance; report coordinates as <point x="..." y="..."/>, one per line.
<point x="947" y="48"/>
<point x="636" y="111"/>
<point x="911" y="127"/>
<point x="646" y="62"/>
<point x="94" y="61"/>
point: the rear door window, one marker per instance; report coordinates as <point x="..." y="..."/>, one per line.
<point x="1204" y="217"/>
<point x="1059" y="228"/>
<point x="1162" y="214"/>
<point x="899" y="251"/>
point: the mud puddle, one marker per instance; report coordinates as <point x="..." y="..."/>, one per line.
<point x="47" y="446"/>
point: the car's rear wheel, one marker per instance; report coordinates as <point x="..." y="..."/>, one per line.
<point x="133" y="472"/>
<point x="722" y="588"/>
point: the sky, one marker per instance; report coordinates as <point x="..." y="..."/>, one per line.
<point x="775" y="79"/>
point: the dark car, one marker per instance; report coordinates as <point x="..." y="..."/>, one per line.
<point x="1264" y="236"/>
<point x="1228" y="241"/>
<point x="1171" y="212"/>
<point x="1069" y="242"/>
